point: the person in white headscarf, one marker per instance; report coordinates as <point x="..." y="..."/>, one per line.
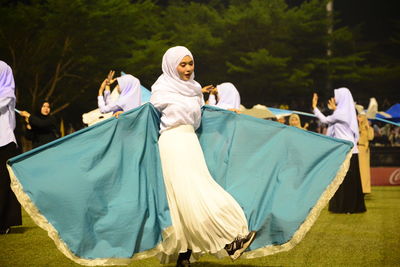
<point x="343" y="124"/>
<point x="205" y="218"/>
<point x="225" y="96"/>
<point x="10" y="209"/>
<point x="294" y="120"/>
<point x="130" y="94"/>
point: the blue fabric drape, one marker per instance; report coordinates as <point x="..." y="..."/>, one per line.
<point x="146" y="94"/>
<point x="102" y="188"/>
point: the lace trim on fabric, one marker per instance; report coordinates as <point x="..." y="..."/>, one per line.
<point x="43" y="223"/>
<point x="309" y="221"/>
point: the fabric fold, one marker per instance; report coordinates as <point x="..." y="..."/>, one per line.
<point x="99" y="192"/>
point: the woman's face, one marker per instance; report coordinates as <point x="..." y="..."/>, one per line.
<point x="45" y="110"/>
<point x="185" y="68"/>
<point x="294" y="121"/>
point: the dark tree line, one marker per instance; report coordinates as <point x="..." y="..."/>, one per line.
<point x="274" y="53"/>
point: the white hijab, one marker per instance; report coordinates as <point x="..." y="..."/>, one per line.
<point x="170" y="81"/>
<point x="345" y="110"/>
<point x="228" y="97"/>
<point x="130" y="96"/>
<point x="179" y="101"/>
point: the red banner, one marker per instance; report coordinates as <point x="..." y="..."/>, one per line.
<point x="385" y="175"/>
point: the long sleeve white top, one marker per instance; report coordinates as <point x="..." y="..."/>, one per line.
<point x="337" y="128"/>
<point x="106" y="104"/>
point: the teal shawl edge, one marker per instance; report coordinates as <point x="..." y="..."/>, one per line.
<point x="223" y="139"/>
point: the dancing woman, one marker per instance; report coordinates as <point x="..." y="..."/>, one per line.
<point x="130" y="94"/>
<point x="205" y="218"/>
<point x="343" y="124"/>
<point x="225" y="96"/>
<point x="10" y="209"/>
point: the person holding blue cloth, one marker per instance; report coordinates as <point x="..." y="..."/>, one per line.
<point x="129" y="94"/>
<point x="205" y="218"/>
<point x="226" y="96"/>
<point x="175" y="179"/>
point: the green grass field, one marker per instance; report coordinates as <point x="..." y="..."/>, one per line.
<point x="369" y="239"/>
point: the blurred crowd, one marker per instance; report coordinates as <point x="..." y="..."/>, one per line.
<point x="384" y="134"/>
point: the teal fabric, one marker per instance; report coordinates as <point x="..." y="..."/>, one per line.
<point x="276" y="172"/>
<point x="102" y="187"/>
<point x="146" y="94"/>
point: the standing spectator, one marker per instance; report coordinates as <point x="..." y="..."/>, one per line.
<point x="294" y="120"/>
<point x="396" y="136"/>
<point x="42" y="128"/>
<point x="281" y="119"/>
<point x="366" y="135"/>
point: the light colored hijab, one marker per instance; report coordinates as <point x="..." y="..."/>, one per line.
<point x="179" y="101"/>
<point x="130" y="96"/>
<point x="170" y="81"/>
<point x="298" y="125"/>
<point x="228" y="96"/>
<point x="345" y="110"/>
<point x="7" y="88"/>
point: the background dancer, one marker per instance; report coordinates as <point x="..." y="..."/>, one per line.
<point x="343" y="124"/>
<point x="10" y="209"/>
<point x="225" y="96"/>
<point x="130" y="94"/>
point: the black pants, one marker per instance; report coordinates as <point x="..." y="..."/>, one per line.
<point x="10" y="209"/>
<point x="349" y="198"/>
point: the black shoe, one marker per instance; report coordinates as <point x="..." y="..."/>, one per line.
<point x="183" y="263"/>
<point x="5" y="231"/>
<point x="239" y="245"/>
<point x="183" y="259"/>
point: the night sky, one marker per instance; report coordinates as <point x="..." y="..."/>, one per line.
<point x="377" y="18"/>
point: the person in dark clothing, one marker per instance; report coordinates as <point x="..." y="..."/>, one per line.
<point x="41" y="128"/>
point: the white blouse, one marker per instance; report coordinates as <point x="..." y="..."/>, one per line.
<point x="337" y="128"/>
<point x="180" y="110"/>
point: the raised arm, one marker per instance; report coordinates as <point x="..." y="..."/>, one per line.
<point x="104" y="102"/>
<point x="324" y="119"/>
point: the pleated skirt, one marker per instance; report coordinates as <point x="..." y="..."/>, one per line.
<point x="204" y="216"/>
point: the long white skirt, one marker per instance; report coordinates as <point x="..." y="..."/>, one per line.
<point x="204" y="216"/>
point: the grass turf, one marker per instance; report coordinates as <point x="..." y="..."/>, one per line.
<point x="368" y="239"/>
